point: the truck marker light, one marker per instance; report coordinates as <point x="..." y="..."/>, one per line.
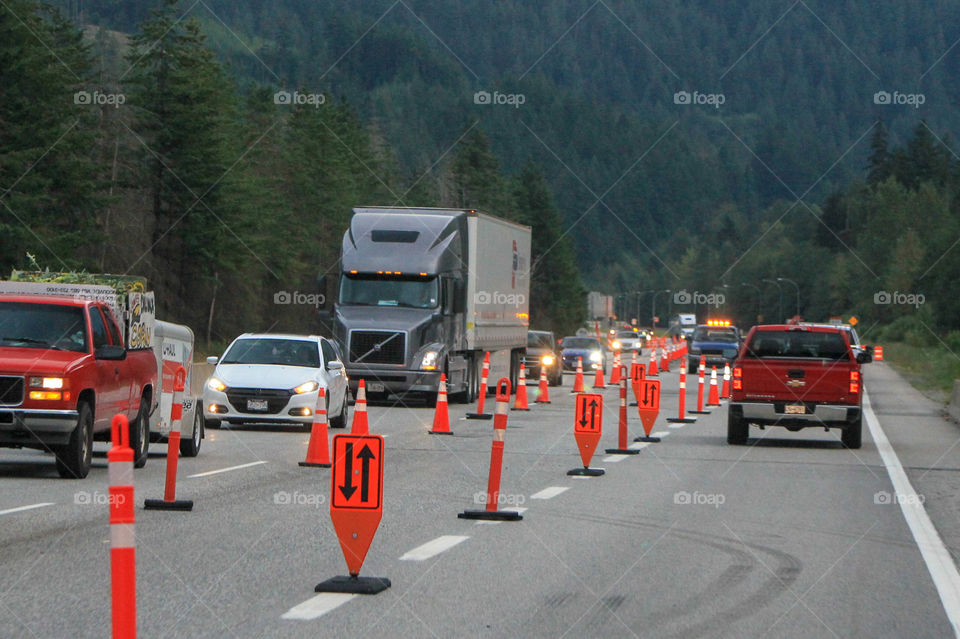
<point x="46" y="395"/>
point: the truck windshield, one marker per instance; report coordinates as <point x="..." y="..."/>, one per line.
<point x="581" y="343"/>
<point x="716" y="335"/>
<point x="539" y="340"/>
<point x="379" y="290"/>
<point x="798" y="344"/>
<point x="55" y="326"/>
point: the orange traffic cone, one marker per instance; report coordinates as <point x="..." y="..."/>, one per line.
<point x="318" y="451"/>
<point x="360" y="425"/>
<point x="714" y="399"/>
<point x="482" y="395"/>
<point x="543" y="394"/>
<point x="665" y="359"/>
<point x="578" y="382"/>
<point x="652" y="367"/>
<point x="441" y="417"/>
<point x="598" y="379"/>
<point x="725" y="391"/>
<point x="520" y="403"/>
<point x="615" y="373"/>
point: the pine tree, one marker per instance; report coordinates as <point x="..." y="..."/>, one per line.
<point x="878" y="164"/>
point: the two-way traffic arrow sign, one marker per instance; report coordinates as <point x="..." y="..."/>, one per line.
<point x="587" y="427"/>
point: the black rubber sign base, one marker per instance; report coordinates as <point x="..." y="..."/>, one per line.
<point x="354" y="585"/>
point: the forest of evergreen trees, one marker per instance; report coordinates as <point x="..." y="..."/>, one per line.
<point x="221" y="196"/>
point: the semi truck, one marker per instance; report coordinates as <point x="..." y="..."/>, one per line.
<point x="429" y="291"/>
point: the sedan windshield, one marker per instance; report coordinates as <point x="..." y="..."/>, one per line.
<point x="43" y="326"/>
<point x="377" y="290"/>
<point x="585" y="343"/>
<point x="279" y="352"/>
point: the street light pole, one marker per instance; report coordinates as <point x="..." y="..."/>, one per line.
<point x="757" y="289"/>
<point x="779" y="299"/>
<point x="796" y="286"/>
<point x="654" y="311"/>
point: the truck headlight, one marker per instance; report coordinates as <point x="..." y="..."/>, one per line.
<point x="306" y="387"/>
<point x="595" y="356"/>
<point x="429" y="361"/>
<point x="50" y="383"/>
<point x="547" y="360"/>
<point x="616" y="345"/>
<point x="215" y="384"/>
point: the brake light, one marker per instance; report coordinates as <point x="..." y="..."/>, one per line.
<point x="854" y="382"/>
<point x="737" y="378"/>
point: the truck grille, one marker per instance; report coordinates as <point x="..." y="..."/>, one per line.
<point x="373" y="344"/>
<point x="276" y="399"/>
<point x="11" y="391"/>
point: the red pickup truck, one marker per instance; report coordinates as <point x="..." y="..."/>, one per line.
<point x="64" y="374"/>
<point x="797" y="376"/>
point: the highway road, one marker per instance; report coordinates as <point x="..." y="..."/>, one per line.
<point x="790" y="536"/>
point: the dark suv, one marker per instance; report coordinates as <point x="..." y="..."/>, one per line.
<point x="542" y="353"/>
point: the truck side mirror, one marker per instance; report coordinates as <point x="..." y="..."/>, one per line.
<point x="864" y="357"/>
<point x="110" y="352"/>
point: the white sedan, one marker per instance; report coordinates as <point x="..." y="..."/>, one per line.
<point x="273" y="378"/>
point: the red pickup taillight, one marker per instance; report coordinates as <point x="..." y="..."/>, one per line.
<point x="737" y="378"/>
<point x="854" y="382"/>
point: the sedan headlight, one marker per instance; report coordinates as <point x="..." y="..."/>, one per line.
<point x="306" y="387"/>
<point x="595" y="356"/>
<point x="215" y="384"/>
<point x="429" y="361"/>
<point x="547" y="360"/>
<point x="616" y="345"/>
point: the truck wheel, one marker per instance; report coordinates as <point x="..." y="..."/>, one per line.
<point x="140" y="435"/>
<point x="737" y="429"/>
<point x="73" y="460"/>
<point x="852" y="434"/>
<point x="340" y="421"/>
<point x="191" y="447"/>
<point x="557" y="379"/>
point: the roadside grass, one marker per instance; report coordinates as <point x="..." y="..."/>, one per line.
<point x="925" y="367"/>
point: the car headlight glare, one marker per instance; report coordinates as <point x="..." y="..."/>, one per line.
<point x="595" y="356"/>
<point x="50" y="383"/>
<point x="616" y="344"/>
<point x="306" y="387"/>
<point x="215" y="384"/>
<point x="547" y="360"/>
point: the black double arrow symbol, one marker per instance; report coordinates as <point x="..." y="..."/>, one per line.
<point x="365" y="455"/>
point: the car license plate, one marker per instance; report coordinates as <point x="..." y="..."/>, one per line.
<point x="257" y="404"/>
<point x="795" y="409"/>
<point x="375" y="387"/>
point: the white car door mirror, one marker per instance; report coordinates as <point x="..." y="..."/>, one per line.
<point x="334" y="366"/>
<point x="213" y="360"/>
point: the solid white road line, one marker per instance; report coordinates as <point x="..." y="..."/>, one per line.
<point x="20" y="509"/>
<point x="935" y="554"/>
<point x="317" y="606"/>
<point x="433" y="548"/>
<point x="550" y="493"/>
<point x="225" y="470"/>
<point x="615" y="458"/>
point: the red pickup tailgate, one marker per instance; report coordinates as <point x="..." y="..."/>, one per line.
<point x="800" y="365"/>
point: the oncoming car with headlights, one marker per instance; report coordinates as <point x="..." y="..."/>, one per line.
<point x="274" y="378"/>
<point x="717" y="341"/>
<point x="588" y="348"/>
<point x="542" y="354"/>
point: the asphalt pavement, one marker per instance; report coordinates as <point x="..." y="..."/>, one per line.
<point x="789" y="536"/>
